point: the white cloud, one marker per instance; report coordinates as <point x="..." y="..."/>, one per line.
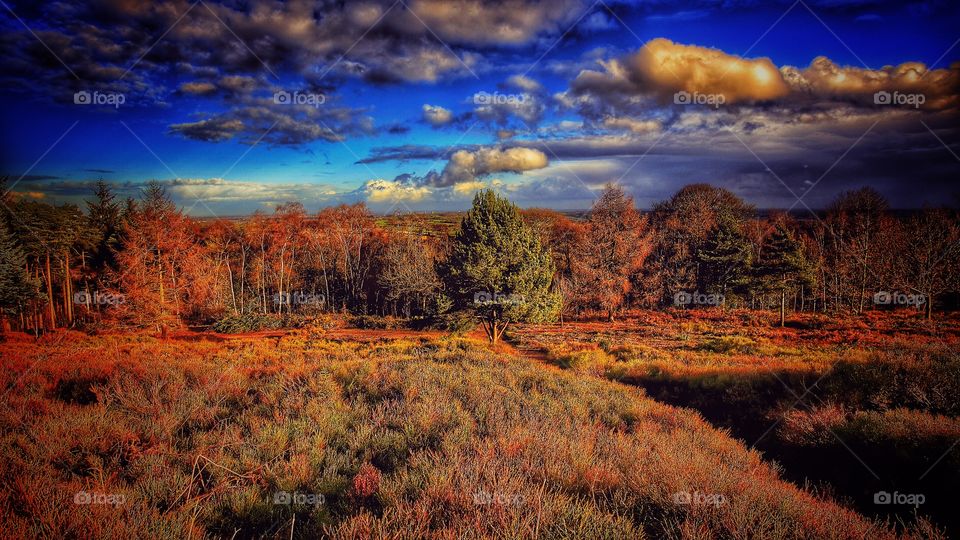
<point x="436" y="115"/>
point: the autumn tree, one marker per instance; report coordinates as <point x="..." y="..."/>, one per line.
<point x="498" y="268"/>
<point x="858" y="229"/>
<point x="615" y="245"/>
<point x="349" y="243"/>
<point x="155" y="258"/>
<point x="682" y="226"/>
<point x="407" y="271"/>
<point x="931" y="256"/>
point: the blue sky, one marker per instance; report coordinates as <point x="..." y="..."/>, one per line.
<point x="588" y="95"/>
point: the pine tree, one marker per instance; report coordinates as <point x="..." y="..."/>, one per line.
<point x="725" y="259"/>
<point x="16" y="286"/>
<point x="498" y="269"/>
<point x="784" y="266"/>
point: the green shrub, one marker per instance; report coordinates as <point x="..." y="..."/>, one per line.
<point x="729" y="344"/>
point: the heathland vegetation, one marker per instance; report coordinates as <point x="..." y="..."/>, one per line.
<point x="296" y="375"/>
<point x="129" y="436"/>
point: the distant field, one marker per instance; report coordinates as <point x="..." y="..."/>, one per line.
<point x="123" y="436"/>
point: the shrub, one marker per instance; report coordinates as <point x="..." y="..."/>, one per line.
<point x="729" y="344"/>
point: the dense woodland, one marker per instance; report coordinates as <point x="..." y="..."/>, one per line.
<point x="143" y="263"/>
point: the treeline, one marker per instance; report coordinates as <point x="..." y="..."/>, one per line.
<point x="144" y="263"/>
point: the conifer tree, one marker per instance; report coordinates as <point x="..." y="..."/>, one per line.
<point x="16" y="286"/>
<point x="783" y="265"/>
<point x="725" y="258"/>
<point x="498" y="269"/>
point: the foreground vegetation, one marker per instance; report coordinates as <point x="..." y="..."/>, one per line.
<point x="409" y="438"/>
<point x="855" y="407"/>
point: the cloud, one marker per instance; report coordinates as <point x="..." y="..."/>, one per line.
<point x="525" y="83"/>
<point x="466" y="166"/>
<point x="661" y="68"/>
<point x="527" y="105"/>
<point x="498" y="22"/>
<point x="649" y="78"/>
<point x="468" y="188"/>
<point x="216" y="129"/>
<point x="824" y="79"/>
<point x="381" y="190"/>
<point x="436" y="115"/>
<point x="289" y="124"/>
<point x="631" y="124"/>
<point x="199" y="88"/>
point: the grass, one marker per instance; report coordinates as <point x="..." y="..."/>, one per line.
<point x="858" y="405"/>
<point x="406" y="438"/>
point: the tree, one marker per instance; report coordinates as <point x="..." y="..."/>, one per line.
<point x="615" y="245"/>
<point x="932" y="254"/>
<point x="498" y="268"/>
<point x="408" y="272"/>
<point x="104" y="216"/>
<point x="725" y="258"/>
<point x="159" y="243"/>
<point x="564" y="237"/>
<point x="16" y="286"/>
<point x="348" y="245"/>
<point x="783" y="265"/>
<point x="682" y="225"/>
<point x="859" y="227"/>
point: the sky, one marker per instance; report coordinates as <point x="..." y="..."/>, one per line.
<point x="414" y="105"/>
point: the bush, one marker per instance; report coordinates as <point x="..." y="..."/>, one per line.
<point x="729" y="344"/>
<point x="252" y="322"/>
<point x="373" y="322"/>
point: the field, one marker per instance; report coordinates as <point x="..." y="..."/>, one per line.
<point x="586" y="430"/>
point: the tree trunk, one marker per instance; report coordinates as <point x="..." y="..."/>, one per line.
<point x="783" y="306"/>
<point x="50" y="307"/>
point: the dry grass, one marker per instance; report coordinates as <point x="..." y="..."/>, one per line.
<point x="405" y="438"/>
<point x="878" y="390"/>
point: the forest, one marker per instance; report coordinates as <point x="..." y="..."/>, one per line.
<point x="143" y="263"/>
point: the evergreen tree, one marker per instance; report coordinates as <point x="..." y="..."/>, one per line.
<point x="105" y="224"/>
<point x="498" y="269"/>
<point x="725" y="259"/>
<point x="16" y="286"/>
<point x="783" y="265"/>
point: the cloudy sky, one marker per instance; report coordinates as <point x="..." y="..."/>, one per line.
<point x="416" y="104"/>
